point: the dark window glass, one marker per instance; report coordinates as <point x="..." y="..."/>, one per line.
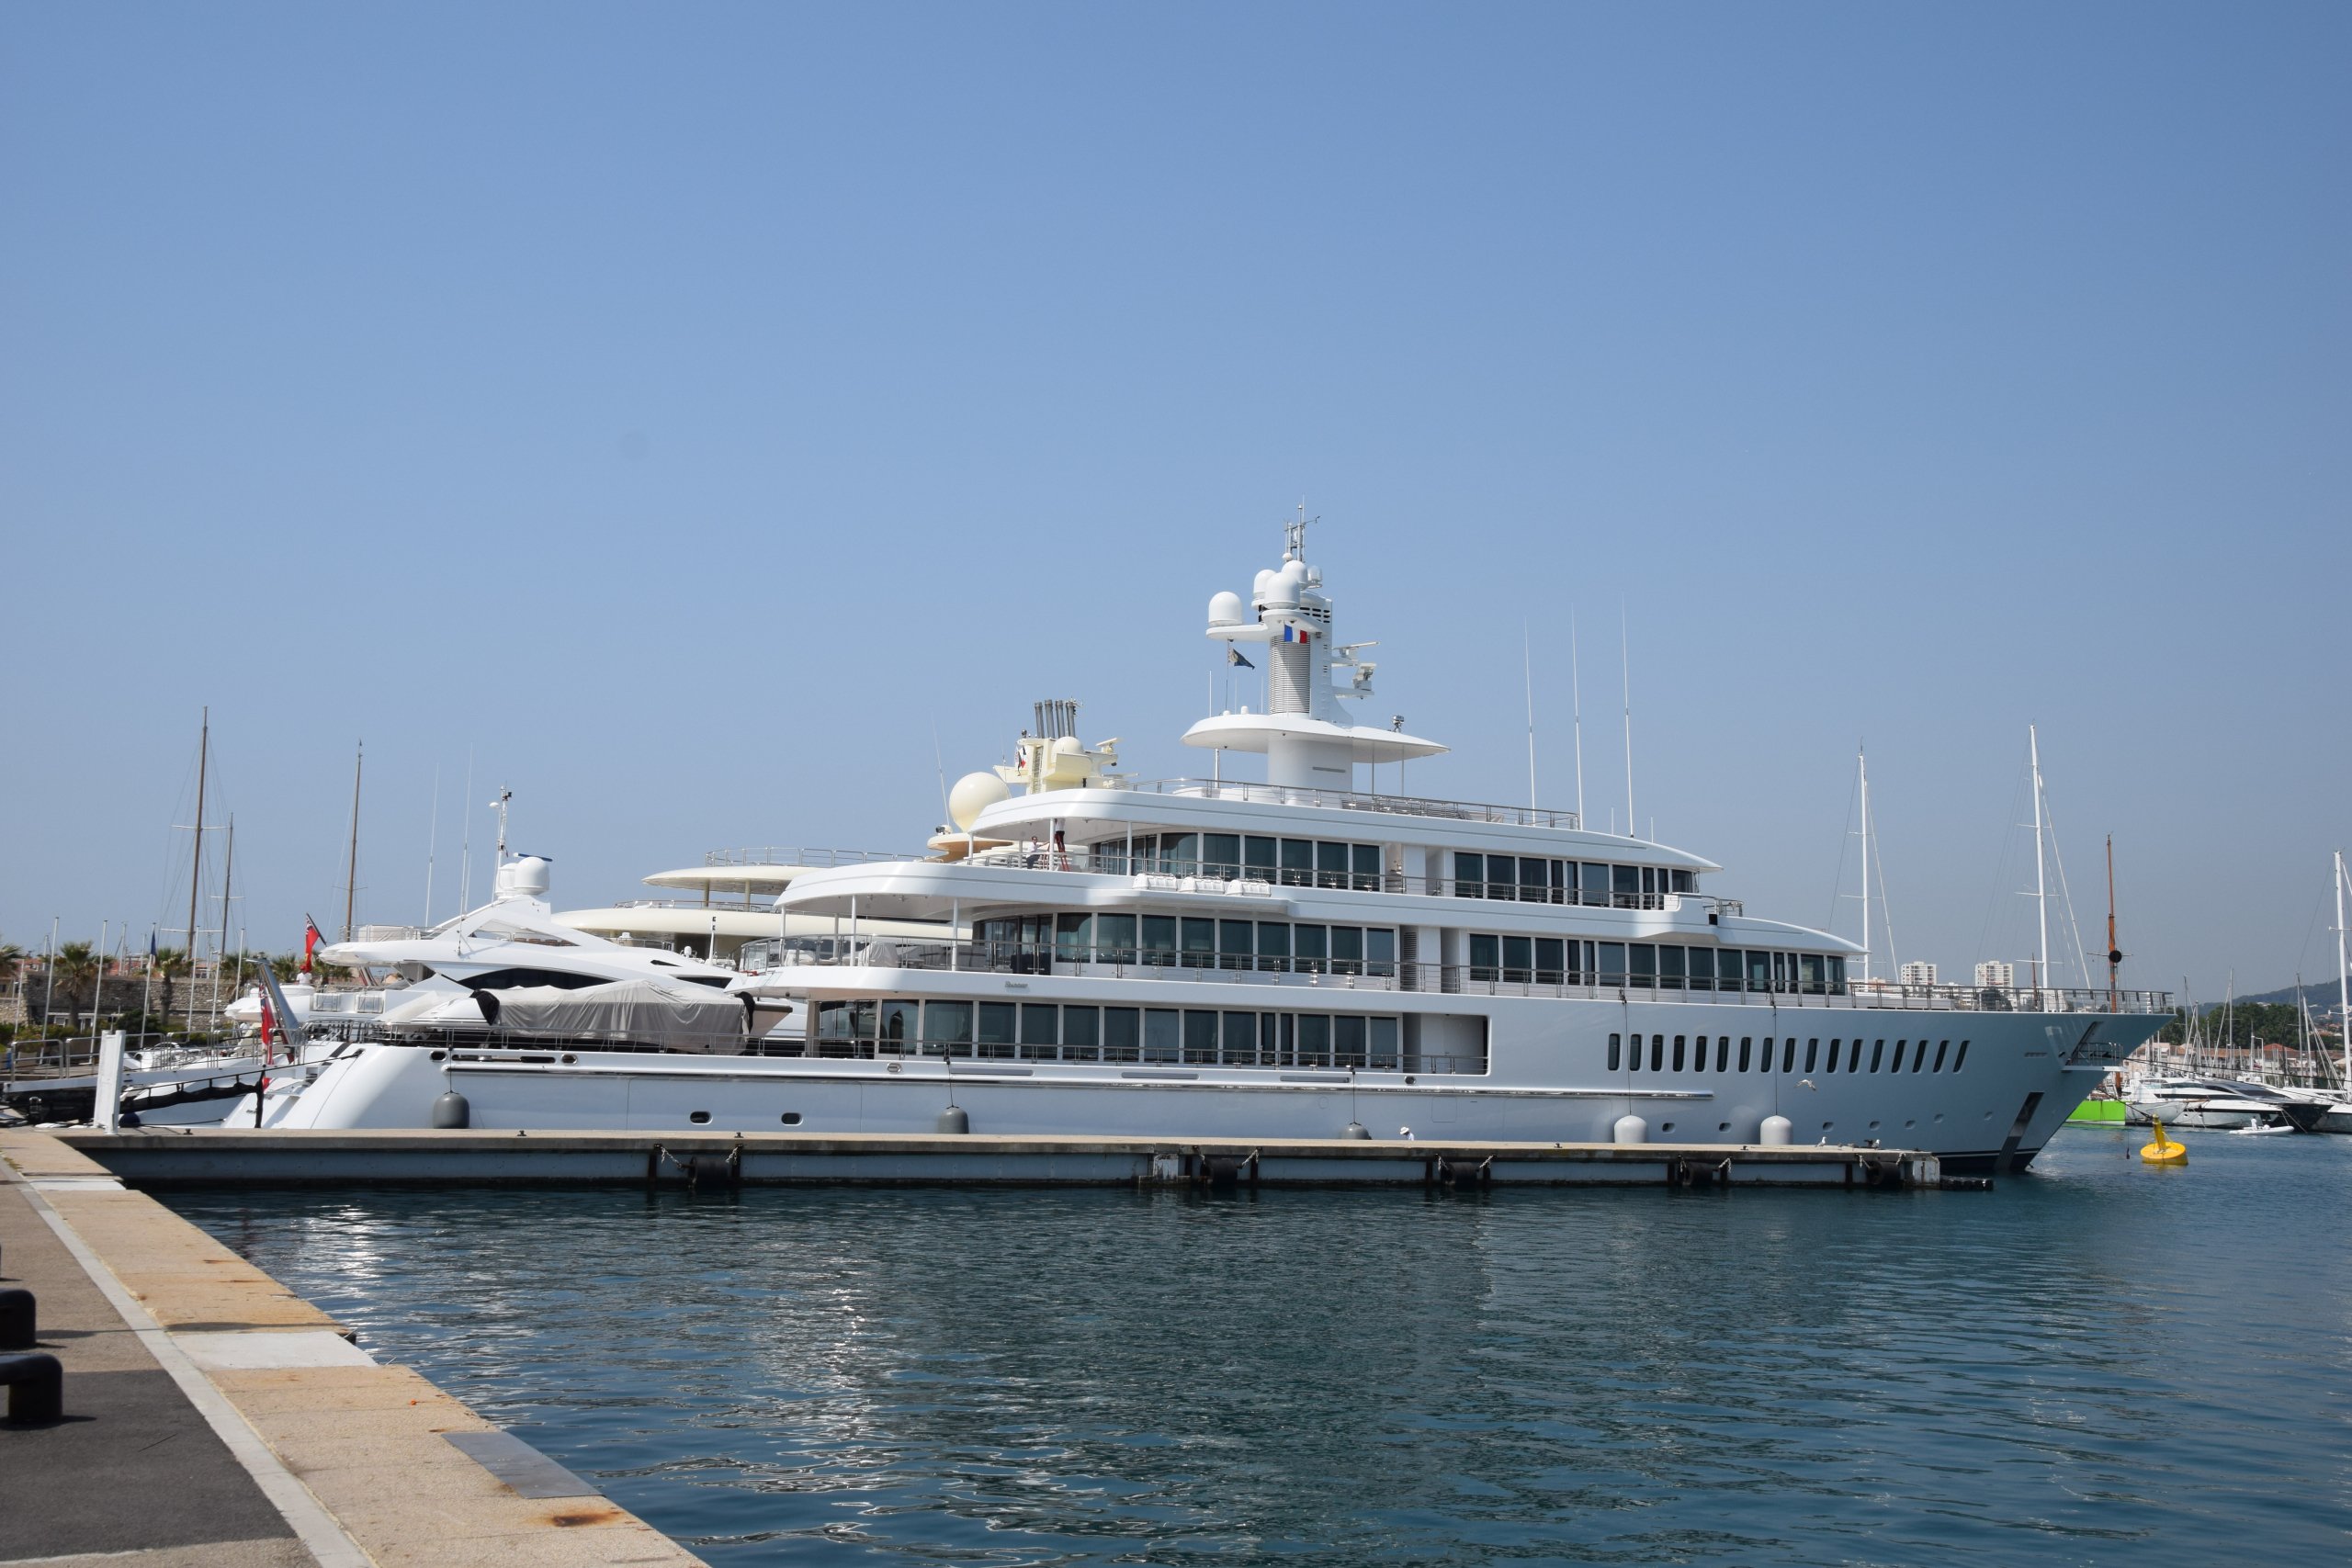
<point x="1679" y="1054"/>
<point x="1347" y="950"/>
<point x="1895" y="1066"/>
<point x="1221" y="854"/>
<point x="947" y="1023"/>
<point x="1616" y="1051"/>
<point x="1159" y="939"/>
<point x="1332" y="865"/>
<point x="1722" y="1054"/>
<point x="1366" y="863"/>
<point x="1240" y="1039"/>
<point x="1519" y="959"/>
<point x="1789" y="1055"/>
<point x="1918" y="1056"/>
<point x="1380" y="1045"/>
<point x="1179" y="854"/>
<point x="1625" y="883"/>
<point x="1658" y="1053"/>
<point x="1309" y="948"/>
<point x="1854" y="1055"/>
<point x="1811" y="1055"/>
<point x="1379" y="952"/>
<point x="1830" y="1062"/>
<point x="1682" y="881"/>
<point x="1535" y="879"/>
<point x="1878" y="1054"/>
<point x="1199" y="942"/>
<point x="1550" y="963"/>
<point x="996" y="1023"/>
<point x="1962" y="1060"/>
<point x="1745" y="1042"/>
<point x="1200" y="1037"/>
<point x="901" y="1024"/>
<point x="1114" y="938"/>
<point x="1122" y="1034"/>
<point x="1161" y="1033"/>
<point x="1729" y="965"/>
<point x="1274" y="945"/>
<point x="1942" y="1046"/>
<point x="1074" y="938"/>
<point x="1809" y="972"/>
<point x="1235" y="943"/>
<point x="1502" y="877"/>
<point x="1645" y="967"/>
<point x="1259" y="857"/>
<point x="1596" y="884"/>
<point x="1612" y="962"/>
<point x="1837" y="974"/>
<point x="1348" y="1037"/>
<point x="1298" y="862"/>
<point x="1670" y="967"/>
<point x="1082" y="1032"/>
<point x="1759" y="971"/>
<point x="1469" y="874"/>
<point x="1314" y="1039"/>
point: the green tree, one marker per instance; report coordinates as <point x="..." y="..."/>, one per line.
<point x="286" y="965"/>
<point x="78" y="964"/>
<point x="171" y="964"/>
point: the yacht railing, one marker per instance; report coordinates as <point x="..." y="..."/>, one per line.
<point x="781" y="854"/>
<point x="1351" y="800"/>
<point x="1463" y="979"/>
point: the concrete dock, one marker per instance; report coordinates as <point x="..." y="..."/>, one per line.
<point x="165" y="1156"/>
<point x="213" y="1419"/>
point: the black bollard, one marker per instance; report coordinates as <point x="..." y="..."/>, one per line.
<point x="36" y="1389"/>
<point x="17" y="1325"/>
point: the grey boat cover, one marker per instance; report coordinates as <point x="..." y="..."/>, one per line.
<point x="652" y="1013"/>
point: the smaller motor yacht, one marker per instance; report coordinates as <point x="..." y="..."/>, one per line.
<point x="2220" y="1105"/>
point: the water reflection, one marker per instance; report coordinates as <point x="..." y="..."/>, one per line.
<point x="2095" y="1358"/>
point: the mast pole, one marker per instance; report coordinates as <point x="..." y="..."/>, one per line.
<point x="1861" y="764"/>
<point x="196" y="856"/>
<point x="2041" y="886"/>
<point x="1575" y="699"/>
<point x="228" y="884"/>
<point x="1625" y="664"/>
<point x="351" y="865"/>
<point x="2343" y="976"/>
<point x="432" y="842"/>
<point x="2114" y="953"/>
<point x="1527" y="673"/>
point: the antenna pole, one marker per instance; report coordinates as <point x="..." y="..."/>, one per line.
<point x="351" y="865"/>
<point x="1862" y="765"/>
<point x="1527" y="671"/>
<point x="432" y="842"/>
<point x="504" y="796"/>
<point x="465" y="842"/>
<point x="1575" y="699"/>
<point x="2040" y="888"/>
<point x="1625" y="664"/>
<point x="195" y="858"/>
<point x="220" y="949"/>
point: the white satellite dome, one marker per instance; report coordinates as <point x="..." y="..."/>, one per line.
<point x="973" y="794"/>
<point x="524" y="876"/>
<point x="1261" y="583"/>
<point x="1226" y="610"/>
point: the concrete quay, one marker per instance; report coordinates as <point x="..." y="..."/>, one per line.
<point x="166" y="1156"/>
<point x="213" y="1419"/>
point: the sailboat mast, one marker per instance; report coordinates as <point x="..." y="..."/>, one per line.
<point x="195" y="857"/>
<point x="228" y="886"/>
<point x="351" y="864"/>
<point x="2343" y="976"/>
<point x="1861" y="766"/>
<point x="2114" y="953"/>
<point x="1576" y="702"/>
<point x="2041" y="886"/>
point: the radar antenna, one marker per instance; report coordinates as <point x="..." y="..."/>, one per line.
<point x="1294" y="534"/>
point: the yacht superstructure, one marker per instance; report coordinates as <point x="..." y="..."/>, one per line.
<point x="1303" y="956"/>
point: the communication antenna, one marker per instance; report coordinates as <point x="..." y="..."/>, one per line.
<point x="432" y="843"/>
<point x="465" y="848"/>
<point x="499" y="805"/>
<point x="2343" y="974"/>
<point x="1527" y="670"/>
<point x="1625" y="661"/>
<point x="2114" y="953"/>
<point x="1862" y="766"/>
<point x="2041" y="886"/>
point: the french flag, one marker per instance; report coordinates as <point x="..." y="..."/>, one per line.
<point x="1291" y="633"/>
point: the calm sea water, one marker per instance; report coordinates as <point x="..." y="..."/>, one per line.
<point x="2097" y="1363"/>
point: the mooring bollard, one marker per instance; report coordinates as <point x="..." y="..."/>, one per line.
<point x="36" y="1386"/>
<point x="17" y="1330"/>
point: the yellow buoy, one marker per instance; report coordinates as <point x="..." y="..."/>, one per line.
<point x="2164" y="1151"/>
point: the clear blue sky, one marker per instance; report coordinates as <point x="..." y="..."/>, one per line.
<point x="693" y="410"/>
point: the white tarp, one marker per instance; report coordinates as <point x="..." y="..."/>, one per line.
<point x="648" y="1012"/>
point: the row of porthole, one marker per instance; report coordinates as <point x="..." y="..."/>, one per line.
<point x="1825" y="1126"/>
<point x="702" y="1118"/>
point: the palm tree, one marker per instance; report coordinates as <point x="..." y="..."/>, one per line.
<point x="285" y="966"/>
<point x="170" y="965"/>
<point x="77" y="965"/>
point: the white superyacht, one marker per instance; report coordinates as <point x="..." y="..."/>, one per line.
<point x="1303" y="957"/>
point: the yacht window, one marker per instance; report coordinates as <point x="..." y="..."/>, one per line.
<point x="1234" y="945"/>
<point x="1683" y="882"/>
<point x="1240" y="1039"/>
<point x="1074" y="938"/>
<point x="1200" y="943"/>
<point x="507" y="930"/>
<point x="1649" y="887"/>
<point x="1616" y="1052"/>
<point x="1347" y="950"/>
<point x="946" y="1028"/>
<point x="1550" y="962"/>
<point x="1722" y="1054"/>
<point x="1745" y="1041"/>
<point x="1942" y="1046"/>
<point x="1658" y="1053"/>
<point x="1918" y="1056"/>
<point x="1830" y="1065"/>
<point x="1669" y="968"/>
<point x="1469" y="874"/>
<point x="1962" y="1060"/>
<point x="1332" y="865"/>
<point x="1380" y="1045"/>
<point x="1379" y="952"/>
<point x="1298" y="862"/>
<point x="1314" y="1040"/>
<point x="1260" y="858"/>
<point x="1348" y="1037"/>
<point x="790" y="1119"/>
<point x="1896" y="1065"/>
<point x="1309" y="948"/>
<point x="1729" y="963"/>
<point x="1595" y="882"/>
<point x="699" y="1117"/>
<point x="1644" y="968"/>
<point x="1811" y="1055"/>
<point x="1161" y="1034"/>
<point x="901" y="1025"/>
<point x="1274" y="945"/>
<point x="1366" y="858"/>
<point x="1612" y="962"/>
<point x="1040" y="1028"/>
<point x="1625" y="883"/>
<point x="1160" y="940"/>
<point x="1759" y="971"/>
<point x="1519" y="959"/>
<point x="1486" y="957"/>
<point x="1275" y="1038"/>
<point x="1221" y="854"/>
<point x="1789" y="1055"/>
<point x="506" y="980"/>
<point x="996" y="1030"/>
<point x="1809" y="972"/>
<point x="1122" y="1034"/>
<point x="1082" y="1032"/>
<point x="1878" y="1054"/>
<point x="1179" y="854"/>
<point x="1114" y="938"/>
<point x="1837" y="974"/>
<point x="1200" y="1037"/>
<point x="1535" y="879"/>
<point x="1679" y="1054"/>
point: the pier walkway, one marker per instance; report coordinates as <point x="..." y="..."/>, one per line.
<point x="213" y="1419"/>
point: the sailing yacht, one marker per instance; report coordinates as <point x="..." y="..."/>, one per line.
<point x="1303" y="956"/>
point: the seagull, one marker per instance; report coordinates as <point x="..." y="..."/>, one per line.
<point x="1807" y="1083"/>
